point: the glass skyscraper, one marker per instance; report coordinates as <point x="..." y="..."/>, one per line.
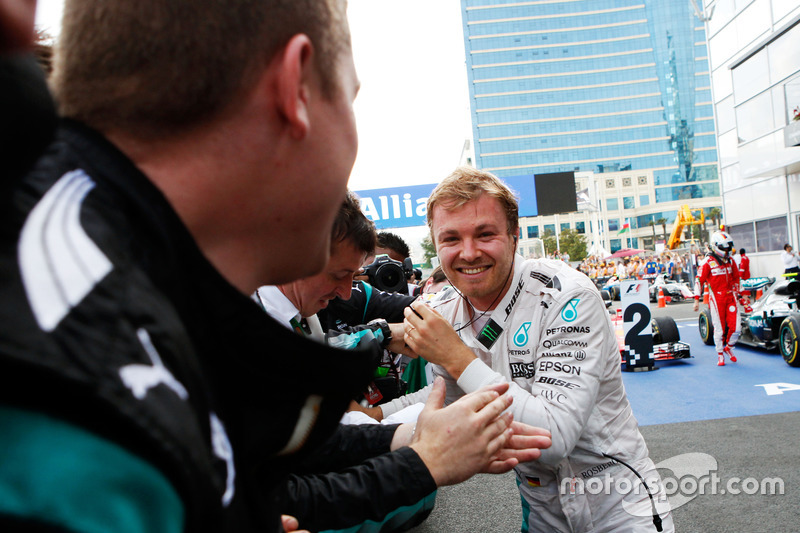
<point x="614" y="87"/>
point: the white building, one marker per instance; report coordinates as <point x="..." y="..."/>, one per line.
<point x="754" y="49"/>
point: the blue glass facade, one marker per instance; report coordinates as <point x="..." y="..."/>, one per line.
<point x="592" y="85"/>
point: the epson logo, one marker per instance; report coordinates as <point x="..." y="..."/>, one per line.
<point x="569" y="329"/>
<point x="565" y="342"/>
<point x="510" y="305"/>
<point x="522" y="370"/>
<point x="558" y="366"/>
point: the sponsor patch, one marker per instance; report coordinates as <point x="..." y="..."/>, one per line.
<point x="555" y="354"/>
<point x="517" y="353"/>
<point x="489" y="334"/>
<point x="557" y="382"/>
<point x="522" y="370"/>
<point x="580" y="355"/>
<point x="558" y="366"/>
<point x="565" y="342"/>
<point x="569" y="329"/>
<point x="521" y="336"/>
<point x="513" y="301"/>
<point x="570" y="311"/>
<point x="553" y="396"/>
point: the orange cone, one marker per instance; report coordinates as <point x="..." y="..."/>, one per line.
<point x="662" y="302"/>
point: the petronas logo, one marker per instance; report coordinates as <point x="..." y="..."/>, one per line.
<point x="521" y="336"/>
<point x="489" y="334"/>
<point x="570" y="311"/>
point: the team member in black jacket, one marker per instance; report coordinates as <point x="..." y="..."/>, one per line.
<point x="207" y="153"/>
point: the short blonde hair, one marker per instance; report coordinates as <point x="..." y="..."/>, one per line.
<point x="466" y="184"/>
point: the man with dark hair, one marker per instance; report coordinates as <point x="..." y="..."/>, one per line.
<point x="392" y="245"/>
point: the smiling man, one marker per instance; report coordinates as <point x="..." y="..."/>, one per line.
<point x="542" y="327"/>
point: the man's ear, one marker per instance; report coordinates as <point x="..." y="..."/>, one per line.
<point x="295" y="71"/>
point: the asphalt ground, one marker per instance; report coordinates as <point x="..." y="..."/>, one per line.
<point x="712" y="431"/>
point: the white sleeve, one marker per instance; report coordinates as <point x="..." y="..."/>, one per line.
<point x="564" y="389"/>
<point x="407" y="400"/>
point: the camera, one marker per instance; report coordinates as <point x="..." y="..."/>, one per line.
<point x="389" y="275"/>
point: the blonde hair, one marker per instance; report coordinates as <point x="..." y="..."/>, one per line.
<point x="157" y="67"/>
<point x="466" y="184"/>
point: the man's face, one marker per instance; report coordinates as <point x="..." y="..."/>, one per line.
<point x="475" y="249"/>
<point x="328" y="159"/>
<point x="312" y="294"/>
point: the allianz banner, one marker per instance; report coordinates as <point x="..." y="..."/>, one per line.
<point x="401" y="207"/>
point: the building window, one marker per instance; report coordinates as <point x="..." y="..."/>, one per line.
<point x="580" y="227"/>
<point x="612" y="204"/>
<point x="616" y="244"/>
<point x="627" y="202"/>
<point x="564" y="226"/>
<point x="642" y="180"/>
<point x="771" y="234"/>
<point x="626" y="182"/>
<point x="610" y="183"/>
<point x="549" y="229"/>
<point x="613" y="224"/>
<point x="743" y="236"/>
<point x="644" y="200"/>
<point x="533" y="232"/>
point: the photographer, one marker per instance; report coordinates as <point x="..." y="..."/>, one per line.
<point x="393" y="488"/>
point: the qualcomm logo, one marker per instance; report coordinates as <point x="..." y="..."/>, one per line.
<point x="521" y="336"/>
<point x="570" y="311"/>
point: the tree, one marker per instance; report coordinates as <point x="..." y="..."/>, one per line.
<point x="549" y="240"/>
<point x="430" y="251"/>
<point x="715" y="214"/>
<point x="663" y="222"/>
<point x="652" y="224"/>
<point x="573" y="243"/>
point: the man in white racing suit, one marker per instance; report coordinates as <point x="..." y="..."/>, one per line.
<point x="542" y="326"/>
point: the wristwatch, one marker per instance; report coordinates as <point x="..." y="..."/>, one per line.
<point x="386" y="331"/>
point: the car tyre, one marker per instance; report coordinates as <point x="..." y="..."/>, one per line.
<point x="706" y="327"/>
<point x="614" y="293"/>
<point x="788" y="340"/>
<point x="665" y="330"/>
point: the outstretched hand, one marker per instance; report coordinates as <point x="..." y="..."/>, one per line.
<point x="462" y="439"/>
<point x="526" y="444"/>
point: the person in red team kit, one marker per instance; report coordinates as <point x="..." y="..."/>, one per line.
<point x="720" y="272"/>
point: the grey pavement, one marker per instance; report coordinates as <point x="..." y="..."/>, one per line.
<point x="758" y="447"/>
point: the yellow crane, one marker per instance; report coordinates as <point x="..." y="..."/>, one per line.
<point x="684" y="218"/>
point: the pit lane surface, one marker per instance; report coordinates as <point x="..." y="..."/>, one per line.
<point x="685" y="407"/>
